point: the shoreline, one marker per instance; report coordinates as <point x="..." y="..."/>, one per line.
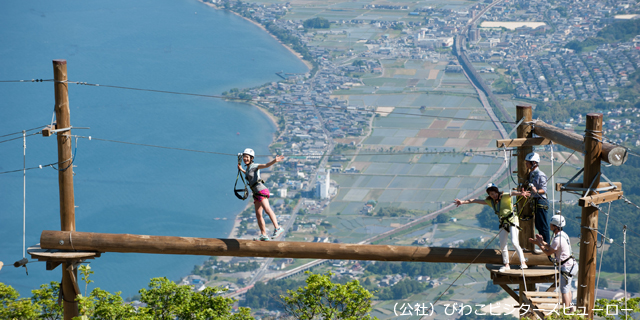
<point x="236" y="221"/>
<point x="306" y="63"/>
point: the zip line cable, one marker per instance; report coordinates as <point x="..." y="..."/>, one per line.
<point x="33" y="134"/>
<point x="289" y="155"/>
<point x="20" y="132"/>
<point x="32" y="80"/>
<point x="614" y="243"/>
<point x="242" y="99"/>
<point x="265" y="101"/>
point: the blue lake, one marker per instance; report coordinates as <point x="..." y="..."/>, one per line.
<point x="181" y="46"/>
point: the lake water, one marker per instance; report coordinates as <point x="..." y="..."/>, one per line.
<point x="175" y="45"/>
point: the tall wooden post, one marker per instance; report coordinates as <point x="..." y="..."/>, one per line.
<point x="524" y="131"/>
<point x="65" y="181"/>
<point x="588" y="238"/>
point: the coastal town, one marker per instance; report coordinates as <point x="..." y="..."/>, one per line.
<point x="407" y="148"/>
<point x="329" y="118"/>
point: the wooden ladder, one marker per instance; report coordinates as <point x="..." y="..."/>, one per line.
<point x="543" y="303"/>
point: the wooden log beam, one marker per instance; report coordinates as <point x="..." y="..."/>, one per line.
<point x="107" y="242"/>
<point x="600" y="198"/>
<point x="522" y="142"/>
<point x="612" y="154"/>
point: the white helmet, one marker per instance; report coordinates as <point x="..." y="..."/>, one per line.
<point x="249" y="151"/>
<point x="558" y="221"/>
<point x="532" y="157"/>
<point x="491" y="186"/>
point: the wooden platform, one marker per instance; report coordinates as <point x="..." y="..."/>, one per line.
<point x="539" y="303"/>
<point x="537" y="274"/>
<point x="55" y="257"/>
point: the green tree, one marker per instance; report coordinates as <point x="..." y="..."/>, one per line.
<point x="601" y="306"/>
<point x="46" y="298"/>
<point x="317" y="23"/>
<point x="323" y="299"/>
<point x="14" y="307"/>
<point x="633" y="284"/>
<point x="442" y="218"/>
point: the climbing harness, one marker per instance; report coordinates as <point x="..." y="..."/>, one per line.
<point x="241" y="194"/>
<point x="505" y="222"/>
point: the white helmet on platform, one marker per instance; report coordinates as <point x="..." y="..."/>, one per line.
<point x="249" y="151"/>
<point x="532" y="157"/>
<point x="558" y="221"/>
<point x="492" y="186"/>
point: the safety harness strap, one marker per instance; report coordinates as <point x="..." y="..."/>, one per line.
<point x="241" y="194"/>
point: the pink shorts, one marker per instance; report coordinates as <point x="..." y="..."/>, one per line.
<point x="264" y="194"/>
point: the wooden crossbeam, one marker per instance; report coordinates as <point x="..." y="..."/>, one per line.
<point x="616" y="155"/>
<point x="522" y="142"/>
<point x="580" y="185"/>
<point x="600" y="198"/>
<point x="105" y="242"/>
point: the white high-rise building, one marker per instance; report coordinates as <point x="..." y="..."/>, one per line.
<point x="322" y="184"/>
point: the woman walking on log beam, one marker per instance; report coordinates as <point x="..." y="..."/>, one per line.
<point x="260" y="192"/>
<point x="501" y="204"/>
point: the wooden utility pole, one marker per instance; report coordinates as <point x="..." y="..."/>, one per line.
<point x="524" y="131"/>
<point x="107" y="242"/>
<point x="588" y="238"/>
<point x="65" y="182"/>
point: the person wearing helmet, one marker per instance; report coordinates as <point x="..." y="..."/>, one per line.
<point x="260" y="192"/>
<point x="538" y="188"/>
<point x="500" y="202"/>
<point x="560" y="247"/>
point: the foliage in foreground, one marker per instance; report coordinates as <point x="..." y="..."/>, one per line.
<point x="323" y="299"/>
<point x="163" y="300"/>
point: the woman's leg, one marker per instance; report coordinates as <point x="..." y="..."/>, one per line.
<point x="259" y="218"/>
<point x="503" y="246"/>
<point x="269" y="211"/>
<point x="516" y="244"/>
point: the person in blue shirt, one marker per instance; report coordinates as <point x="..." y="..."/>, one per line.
<point x="538" y="188"/>
<point x="260" y="192"/>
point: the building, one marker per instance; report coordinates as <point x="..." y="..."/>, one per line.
<point x="474" y="34"/>
<point x="322" y="184"/>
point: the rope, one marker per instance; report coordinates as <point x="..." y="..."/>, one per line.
<point x="553" y="193"/>
<point x="24" y="192"/>
<point x="461" y="273"/>
<point x="624" y="243"/>
<point x="602" y="251"/>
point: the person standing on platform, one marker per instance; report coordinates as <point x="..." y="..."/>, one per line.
<point x="260" y="192"/>
<point x="539" y="202"/>
<point x="560" y="247"/>
<point x="501" y="204"/>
